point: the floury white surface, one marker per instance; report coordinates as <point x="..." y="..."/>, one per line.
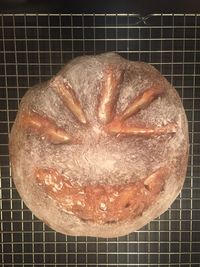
<point x="99" y="156"/>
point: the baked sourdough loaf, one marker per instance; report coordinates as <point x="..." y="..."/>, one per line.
<point x="101" y="149"/>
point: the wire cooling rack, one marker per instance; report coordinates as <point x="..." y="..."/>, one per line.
<point x="33" y="47"/>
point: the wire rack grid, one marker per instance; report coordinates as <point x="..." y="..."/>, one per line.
<point x="33" y="47"/>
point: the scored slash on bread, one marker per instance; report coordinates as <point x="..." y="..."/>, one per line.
<point x="45" y="127"/>
<point x="109" y="94"/>
<point x="117" y="125"/>
<point x="67" y="95"/>
<point x="98" y="202"/>
<point x="142" y="101"/>
<point x="113" y="124"/>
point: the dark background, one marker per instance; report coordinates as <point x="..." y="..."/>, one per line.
<point x="143" y="7"/>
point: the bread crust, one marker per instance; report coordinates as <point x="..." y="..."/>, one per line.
<point x="102" y="148"/>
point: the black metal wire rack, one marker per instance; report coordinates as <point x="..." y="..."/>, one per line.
<point x="33" y="47"/>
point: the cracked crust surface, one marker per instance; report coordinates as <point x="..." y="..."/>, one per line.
<point x="101" y="149"/>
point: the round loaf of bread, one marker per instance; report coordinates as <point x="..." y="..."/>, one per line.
<point x="101" y="149"/>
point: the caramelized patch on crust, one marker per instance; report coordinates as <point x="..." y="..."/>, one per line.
<point x="102" y="203"/>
